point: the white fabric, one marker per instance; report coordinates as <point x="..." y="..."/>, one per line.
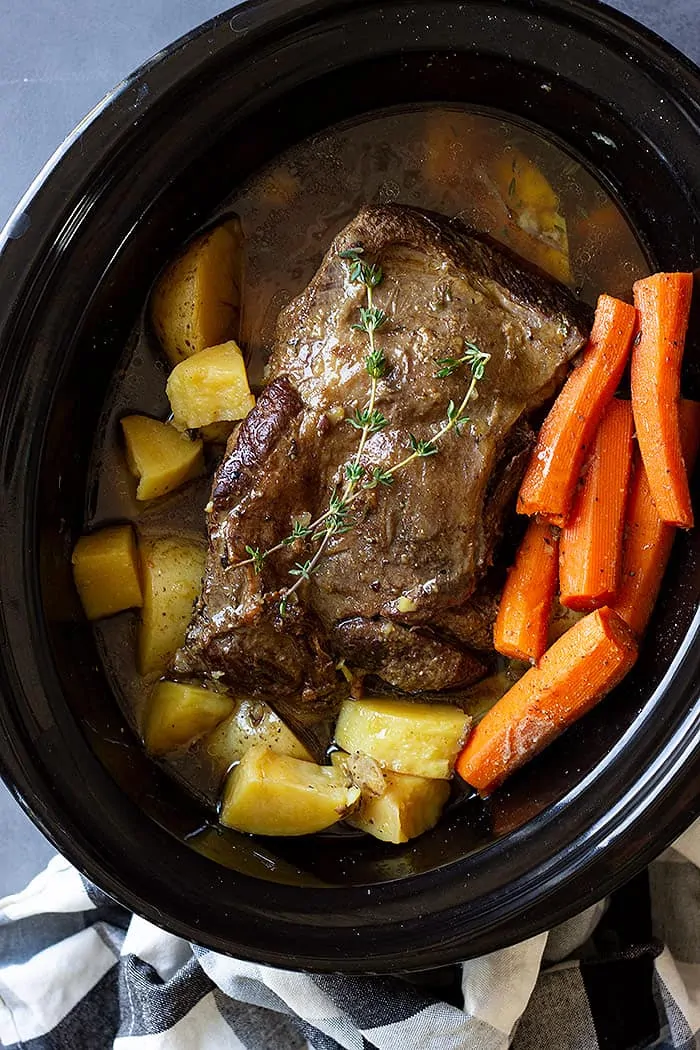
<point x="514" y="972"/>
<point x="165" y="952"/>
<point x="34" y="996"/>
<point x="79" y="973"/>
<point x="203" y="1028"/>
<point x="58" y="888"/>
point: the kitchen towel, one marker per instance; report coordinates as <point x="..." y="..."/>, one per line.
<point x="79" y="972"/>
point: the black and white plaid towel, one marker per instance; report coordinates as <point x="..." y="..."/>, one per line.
<point x="78" y="972"/>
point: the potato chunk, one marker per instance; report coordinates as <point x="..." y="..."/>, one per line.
<point x="252" y="722"/>
<point x="159" y="456"/>
<point x="197" y="300"/>
<point x="403" y="807"/>
<point x="271" y="794"/>
<point x="536" y="227"/>
<point x="106" y="571"/>
<point x="422" y="739"/>
<point x="172" y="570"/>
<point x="178" y="713"/>
<point x="210" y="387"/>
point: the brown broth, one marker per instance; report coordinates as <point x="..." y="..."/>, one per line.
<point x="496" y="176"/>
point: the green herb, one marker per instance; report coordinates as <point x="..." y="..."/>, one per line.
<point x="511" y="187"/>
<point x="369" y="420"/>
<point x="472" y="356"/>
<point x="257" y="557"/>
<point x="421" y="449"/>
<point x="361" y="272"/>
<point x="477" y="360"/>
<point x="354" y="471"/>
<point x="302" y="570"/>
<point x="376" y="364"/>
<point x="371" y="320"/>
<point x="378" y="477"/>
<point x="454" y="417"/>
<point x="299" y="532"/>
<point x="449" y="366"/>
<point x="336" y="522"/>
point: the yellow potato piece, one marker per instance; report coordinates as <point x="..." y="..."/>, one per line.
<point x="252" y="722"/>
<point x="271" y="794"/>
<point x="106" y="572"/>
<point x="521" y="181"/>
<point x="197" y="300"/>
<point x="405" y="807"/>
<point x="538" y="231"/>
<point x="421" y="739"/>
<point x="210" y="387"/>
<point x="178" y="713"/>
<point x="172" y="570"/>
<point x="159" y="456"/>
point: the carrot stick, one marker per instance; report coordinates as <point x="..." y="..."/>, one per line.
<point x="579" y="669"/>
<point x="567" y="432"/>
<point x="663" y="302"/>
<point x="526" y="602"/>
<point x="591" y="544"/>
<point x="648" y="540"/>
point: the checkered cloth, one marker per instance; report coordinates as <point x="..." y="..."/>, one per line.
<point x="78" y="972"/>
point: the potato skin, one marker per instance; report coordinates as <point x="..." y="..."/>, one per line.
<point x="159" y="456"/>
<point x="421" y="739"/>
<point x="107" y="572"/>
<point x="178" y="713"/>
<point x="210" y="387"/>
<point x="172" y="570"/>
<point x="196" y="302"/>
<point x="271" y="794"/>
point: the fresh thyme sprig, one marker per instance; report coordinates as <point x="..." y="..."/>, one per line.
<point x="257" y="557"/>
<point x="299" y="532"/>
<point x="379" y="476"/>
<point x="472" y="356"/>
<point x="368" y="421"/>
<point x="477" y="360"/>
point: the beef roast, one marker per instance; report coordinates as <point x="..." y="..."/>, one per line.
<point x="391" y="595"/>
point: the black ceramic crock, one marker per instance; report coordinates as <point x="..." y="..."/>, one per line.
<point x="143" y="171"/>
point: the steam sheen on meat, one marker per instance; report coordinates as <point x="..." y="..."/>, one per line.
<point x="397" y="595"/>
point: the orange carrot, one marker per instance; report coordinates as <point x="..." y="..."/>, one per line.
<point x="648" y="540"/>
<point x="579" y="669"/>
<point x="567" y="432"/>
<point x="591" y="544"/>
<point x="663" y="302"/>
<point x="526" y="603"/>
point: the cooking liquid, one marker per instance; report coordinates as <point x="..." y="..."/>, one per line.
<point x="496" y="176"/>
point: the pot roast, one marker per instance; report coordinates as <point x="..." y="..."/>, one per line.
<point x="400" y="594"/>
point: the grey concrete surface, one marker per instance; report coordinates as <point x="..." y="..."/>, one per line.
<point x="59" y="59"/>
